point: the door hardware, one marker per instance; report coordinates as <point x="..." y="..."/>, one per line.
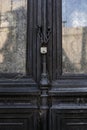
<point x="43" y="50"/>
<point x="44" y="38"/>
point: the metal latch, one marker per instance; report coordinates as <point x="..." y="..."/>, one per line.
<point x="43" y="50"/>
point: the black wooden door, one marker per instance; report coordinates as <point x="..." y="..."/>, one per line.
<point x="19" y="65"/>
<point x="67" y="96"/>
<point x="43" y="75"/>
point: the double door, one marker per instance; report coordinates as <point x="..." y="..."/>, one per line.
<point x="43" y="65"/>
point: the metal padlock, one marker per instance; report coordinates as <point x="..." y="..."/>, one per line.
<point x="43" y="50"/>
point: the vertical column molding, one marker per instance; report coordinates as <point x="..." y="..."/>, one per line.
<point x="44" y="80"/>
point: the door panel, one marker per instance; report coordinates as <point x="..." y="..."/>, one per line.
<point x="68" y="119"/>
<point x="17" y="119"/>
<point x="19" y="93"/>
<point x="67" y="95"/>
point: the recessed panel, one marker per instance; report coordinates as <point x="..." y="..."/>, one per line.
<point x="74" y="36"/>
<point x="13" y="25"/>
